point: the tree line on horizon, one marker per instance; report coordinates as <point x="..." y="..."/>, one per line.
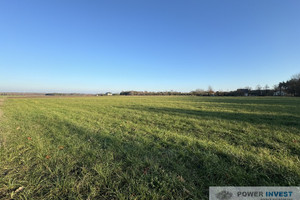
<point x="285" y="88"/>
<point x="290" y="87"/>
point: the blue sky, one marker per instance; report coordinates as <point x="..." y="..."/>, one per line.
<point x="155" y="45"/>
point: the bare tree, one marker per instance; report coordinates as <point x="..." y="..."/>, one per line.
<point x="266" y="87"/>
<point x="275" y="88"/>
<point x="199" y="90"/>
<point x="258" y="87"/>
<point x="210" y="90"/>
<point x="248" y="88"/>
<point x="296" y="76"/>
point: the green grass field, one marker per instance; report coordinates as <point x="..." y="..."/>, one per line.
<point x="146" y="147"/>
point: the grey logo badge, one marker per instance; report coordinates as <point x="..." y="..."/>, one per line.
<point x="224" y="195"/>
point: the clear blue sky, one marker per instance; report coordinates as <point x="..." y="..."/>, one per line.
<point x="156" y="45"/>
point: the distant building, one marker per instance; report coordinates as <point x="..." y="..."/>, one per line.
<point x="279" y="93"/>
<point x="108" y="94"/>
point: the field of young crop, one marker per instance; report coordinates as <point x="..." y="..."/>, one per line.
<point x="145" y="147"/>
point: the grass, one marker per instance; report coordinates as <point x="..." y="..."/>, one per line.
<point x="146" y="147"/>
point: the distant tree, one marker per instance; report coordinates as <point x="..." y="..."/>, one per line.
<point x="296" y="84"/>
<point x="210" y="90"/>
<point x="198" y="92"/>
<point x="266" y="89"/>
<point x="281" y="87"/>
<point x="291" y="87"/>
<point x="296" y="76"/>
<point x="248" y="88"/>
<point x="258" y="88"/>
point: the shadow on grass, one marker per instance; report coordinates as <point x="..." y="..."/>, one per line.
<point x="271" y="120"/>
<point x="148" y="166"/>
<point x="248" y="100"/>
<point x="171" y="167"/>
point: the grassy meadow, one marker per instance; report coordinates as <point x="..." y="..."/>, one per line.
<point x="145" y="147"/>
